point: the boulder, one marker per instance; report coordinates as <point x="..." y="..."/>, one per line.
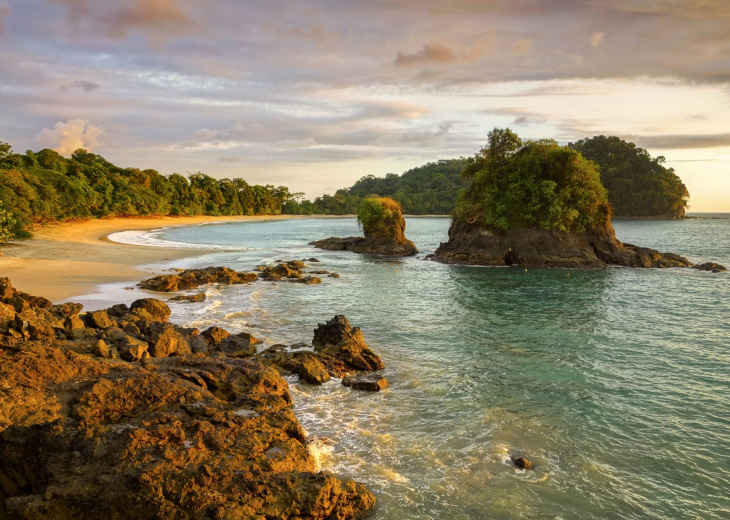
<point x="190" y="298"/>
<point x="369" y="381"/>
<point x="335" y="331"/>
<point x="249" y="337"/>
<point x="150" y="309"/>
<point x="98" y="320"/>
<point x="214" y="335"/>
<point x="364" y="246"/>
<point x="312" y="371"/>
<point x="6" y="288"/>
<point x="74" y="325"/>
<point x="162" y="283"/>
<point x="131" y="349"/>
<point x="64" y="310"/>
<point x="165" y="341"/>
<point x="100" y="349"/>
<point x="235" y="347"/>
<point x="7" y="316"/>
<point x="39" y="323"/>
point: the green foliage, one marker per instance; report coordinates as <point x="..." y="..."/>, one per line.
<point x="637" y="184"/>
<point x="429" y="189"/>
<point x="7" y="222"/>
<point x="379" y="216"/>
<point x="536" y="184"/>
<point x="44" y="186"/>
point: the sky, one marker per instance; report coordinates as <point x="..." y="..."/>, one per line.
<point x="316" y="94"/>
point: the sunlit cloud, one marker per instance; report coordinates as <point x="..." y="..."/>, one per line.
<point x="68" y="136"/>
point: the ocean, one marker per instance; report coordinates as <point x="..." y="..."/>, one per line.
<point x="615" y="383"/>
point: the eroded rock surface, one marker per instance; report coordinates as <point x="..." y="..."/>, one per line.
<point x="473" y="244"/>
<point x="87" y="431"/>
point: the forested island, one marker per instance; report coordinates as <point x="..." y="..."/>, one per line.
<point x="538" y="204"/>
<point x="41" y="187"/>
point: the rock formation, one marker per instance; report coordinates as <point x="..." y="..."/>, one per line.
<point x="475" y="244"/>
<point x="384" y="228"/>
<point x="120" y="414"/>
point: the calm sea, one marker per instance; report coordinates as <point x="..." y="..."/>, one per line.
<point x="615" y="383"/>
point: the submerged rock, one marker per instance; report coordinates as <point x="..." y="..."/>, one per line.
<point x="369" y="381"/>
<point x="711" y="266"/>
<point x="192" y="278"/>
<point x="190" y="298"/>
<point x="522" y="463"/>
<point x="474" y="244"/>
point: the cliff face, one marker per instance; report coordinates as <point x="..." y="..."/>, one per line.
<point x="474" y="244"/>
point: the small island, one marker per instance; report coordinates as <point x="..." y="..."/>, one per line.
<point x="384" y="227"/>
<point x="538" y="204"/>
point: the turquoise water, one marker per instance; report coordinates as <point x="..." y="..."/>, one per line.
<point x="615" y="383"/>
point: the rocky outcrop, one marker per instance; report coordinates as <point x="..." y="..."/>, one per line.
<point x="711" y="266"/>
<point x="144" y="419"/>
<point x="366" y="246"/>
<point x="192" y="278"/>
<point x="474" y="244"/>
<point x="366" y="381"/>
<point x="384" y="229"/>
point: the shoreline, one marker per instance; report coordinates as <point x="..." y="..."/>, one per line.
<point x="74" y="258"/>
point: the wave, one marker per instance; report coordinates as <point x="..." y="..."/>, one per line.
<point x="150" y="239"/>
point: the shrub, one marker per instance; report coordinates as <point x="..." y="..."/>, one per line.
<point x="379" y="216"/>
<point x="7" y="222"/>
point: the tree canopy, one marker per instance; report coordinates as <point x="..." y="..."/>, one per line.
<point x="533" y="184"/>
<point x="637" y="184"/>
<point x="429" y="189"/>
<point x="43" y="186"/>
<point x="379" y="216"/>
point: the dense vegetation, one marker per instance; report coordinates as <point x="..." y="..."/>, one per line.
<point x="637" y="184"/>
<point x="429" y="189"/>
<point x="6" y="225"/>
<point x="379" y="216"/>
<point x="535" y="184"/>
<point x="44" y="187"/>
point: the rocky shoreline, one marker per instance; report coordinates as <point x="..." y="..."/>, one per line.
<point x="368" y="246"/>
<point x="119" y="414"/>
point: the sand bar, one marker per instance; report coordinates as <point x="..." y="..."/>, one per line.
<point x="74" y="258"/>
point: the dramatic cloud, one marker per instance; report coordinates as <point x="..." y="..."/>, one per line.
<point x="319" y="93"/>
<point x="86" y="86"/>
<point x="67" y="137"/>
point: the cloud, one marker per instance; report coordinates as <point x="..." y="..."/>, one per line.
<point x="596" y="39"/>
<point x="115" y="19"/>
<point x="529" y="120"/>
<point x="68" y="136"/>
<point x="521" y="47"/>
<point x="680" y="8"/>
<point x="5" y="10"/>
<point x="431" y="53"/>
<point x="682" y="141"/>
<point x="86" y="86"/>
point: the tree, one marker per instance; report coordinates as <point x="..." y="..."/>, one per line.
<point x="7" y="222"/>
<point x="638" y="185"/>
<point x="536" y="184"/>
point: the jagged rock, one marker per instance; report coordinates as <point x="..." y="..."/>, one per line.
<point x="150" y="309"/>
<point x="249" y="337"/>
<point x="711" y="266"/>
<point x="101" y="349"/>
<point x="236" y="347"/>
<point x="335" y="331"/>
<point x="312" y="260"/>
<point x="308" y="280"/>
<point x="165" y="341"/>
<point x="131" y="349"/>
<point x="118" y="310"/>
<point x="334" y="275"/>
<point x="39" y="323"/>
<point x="7" y="316"/>
<point x="98" y="320"/>
<point x="474" y="244"/>
<point x="19" y="304"/>
<point x="312" y="371"/>
<point x="131" y="329"/>
<point x="214" y="335"/>
<point x="6" y="288"/>
<point x="74" y="326"/>
<point x="64" y="310"/>
<point x="369" y="381"/>
<point x="191" y="298"/>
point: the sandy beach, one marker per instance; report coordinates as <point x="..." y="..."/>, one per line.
<point x="74" y="258"/>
